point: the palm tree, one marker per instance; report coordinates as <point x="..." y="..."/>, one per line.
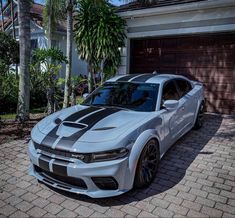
<point x="12" y="19"/>
<point x="67" y="88"/>
<point x="99" y="33"/>
<point x="2" y="16"/>
<point x="52" y="12"/>
<point x="24" y="41"/>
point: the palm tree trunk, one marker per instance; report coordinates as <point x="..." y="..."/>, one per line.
<point x="12" y="19"/>
<point x="50" y="100"/>
<point x="67" y="88"/>
<point x="90" y="77"/>
<point x="73" y="97"/>
<point x="24" y="40"/>
<point x="50" y="91"/>
<point x="49" y="27"/>
<point x="102" y="71"/>
<point x="14" y="32"/>
<point x="2" y="17"/>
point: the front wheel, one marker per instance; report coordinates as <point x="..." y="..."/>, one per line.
<point x="200" y="117"/>
<point x="147" y="165"/>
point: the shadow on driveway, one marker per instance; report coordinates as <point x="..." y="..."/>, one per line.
<point x="173" y="167"/>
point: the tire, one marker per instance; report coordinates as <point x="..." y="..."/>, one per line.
<point x="200" y="117"/>
<point x="147" y="164"/>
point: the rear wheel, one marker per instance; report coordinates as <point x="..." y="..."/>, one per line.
<point x="200" y="117"/>
<point x="147" y="165"/>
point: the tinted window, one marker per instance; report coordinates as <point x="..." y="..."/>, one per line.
<point x="170" y="92"/>
<point x="183" y="86"/>
<point x="138" y="97"/>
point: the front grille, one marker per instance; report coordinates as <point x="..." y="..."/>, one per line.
<point x="71" y="181"/>
<point x="83" y="157"/>
<point x="105" y="183"/>
<point x="53" y="151"/>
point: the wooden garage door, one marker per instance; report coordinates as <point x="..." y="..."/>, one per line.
<point x="209" y="59"/>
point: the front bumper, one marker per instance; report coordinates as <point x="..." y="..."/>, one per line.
<point x="116" y="171"/>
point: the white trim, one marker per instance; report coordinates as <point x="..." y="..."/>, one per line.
<point x="209" y="4"/>
<point x="184" y="31"/>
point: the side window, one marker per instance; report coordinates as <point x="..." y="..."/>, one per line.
<point x="183" y="86"/>
<point x="170" y="92"/>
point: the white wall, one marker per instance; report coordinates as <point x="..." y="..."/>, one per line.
<point x="37" y="32"/>
<point x="78" y="66"/>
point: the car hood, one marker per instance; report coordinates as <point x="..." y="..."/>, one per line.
<point x="88" y="124"/>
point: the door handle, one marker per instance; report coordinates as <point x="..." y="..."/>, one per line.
<point x="182" y="108"/>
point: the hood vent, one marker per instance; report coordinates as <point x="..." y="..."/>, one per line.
<point x="75" y="125"/>
<point x="104" y="128"/>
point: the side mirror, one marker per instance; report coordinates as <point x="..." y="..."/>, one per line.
<point x="85" y="95"/>
<point x="171" y="104"/>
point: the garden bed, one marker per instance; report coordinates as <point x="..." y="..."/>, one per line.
<point x="11" y="130"/>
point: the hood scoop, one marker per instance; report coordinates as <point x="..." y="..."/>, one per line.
<point x="67" y="129"/>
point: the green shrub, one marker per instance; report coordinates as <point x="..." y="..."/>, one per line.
<point x="8" y="92"/>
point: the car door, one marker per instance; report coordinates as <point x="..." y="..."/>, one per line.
<point x="187" y="103"/>
<point x="174" y="119"/>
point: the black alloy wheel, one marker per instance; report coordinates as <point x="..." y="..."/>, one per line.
<point x="147" y="165"/>
<point x="200" y="117"/>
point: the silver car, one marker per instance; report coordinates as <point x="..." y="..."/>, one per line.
<point x="115" y="139"/>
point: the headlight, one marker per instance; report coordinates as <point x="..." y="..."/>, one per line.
<point x="102" y="156"/>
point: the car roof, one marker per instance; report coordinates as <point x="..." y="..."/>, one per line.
<point x="145" y="78"/>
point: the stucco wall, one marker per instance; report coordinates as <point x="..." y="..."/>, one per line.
<point x="78" y="66"/>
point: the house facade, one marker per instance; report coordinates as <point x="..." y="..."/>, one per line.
<point x="39" y="38"/>
<point x="195" y="38"/>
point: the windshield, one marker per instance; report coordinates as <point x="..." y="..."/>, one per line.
<point x="133" y="96"/>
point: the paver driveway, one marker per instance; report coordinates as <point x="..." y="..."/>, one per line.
<point x="196" y="178"/>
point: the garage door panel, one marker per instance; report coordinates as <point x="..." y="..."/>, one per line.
<point x="203" y="60"/>
<point x="220" y="95"/>
<point x="220" y="106"/>
<point x="209" y="59"/>
<point x="215" y="72"/>
<point x="219" y="87"/>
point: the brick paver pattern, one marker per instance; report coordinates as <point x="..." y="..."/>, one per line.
<point x="196" y="178"/>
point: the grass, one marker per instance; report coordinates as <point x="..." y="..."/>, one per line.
<point x="79" y="100"/>
<point x="11" y="116"/>
<point x="8" y="116"/>
<point x="38" y="110"/>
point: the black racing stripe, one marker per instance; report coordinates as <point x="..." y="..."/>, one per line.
<point x="60" y="168"/>
<point x="67" y="142"/>
<point x="96" y="117"/>
<point x="44" y="163"/>
<point x="143" y="78"/>
<point x="126" y="78"/>
<point x="81" y="113"/>
<point x="51" y="136"/>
